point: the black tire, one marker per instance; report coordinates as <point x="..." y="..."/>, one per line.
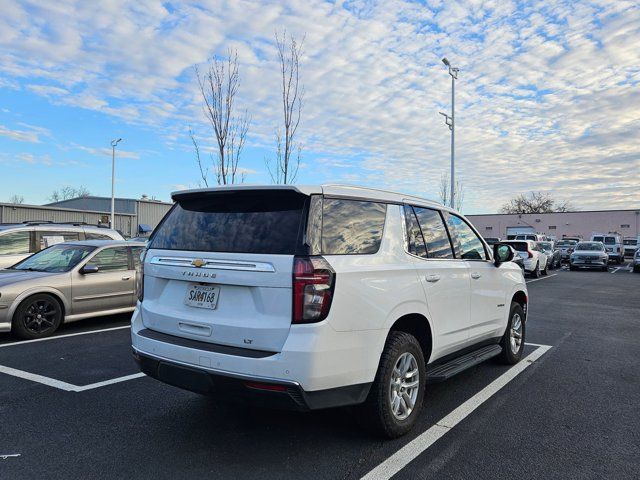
<point x="572" y="268"/>
<point x="636" y="269"/>
<point x="376" y="414"/>
<point x="546" y="270"/>
<point x="26" y="323"/>
<point x="536" y="271"/>
<point x="508" y="356"/>
<point x="605" y="269"/>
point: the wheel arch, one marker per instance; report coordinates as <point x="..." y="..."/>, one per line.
<point x="419" y="326"/>
<point x="521" y="298"/>
<point x="57" y="295"/>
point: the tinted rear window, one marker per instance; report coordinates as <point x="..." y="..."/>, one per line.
<point x="235" y="222"/>
<point x="519" y="246"/>
<point x="610" y="240"/>
<point x="351" y="227"/>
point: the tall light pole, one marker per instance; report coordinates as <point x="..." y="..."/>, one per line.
<point x="113" y="181"/>
<point x="450" y="121"/>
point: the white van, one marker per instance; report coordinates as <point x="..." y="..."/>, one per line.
<point x="613" y="245"/>
<point x="323" y="296"/>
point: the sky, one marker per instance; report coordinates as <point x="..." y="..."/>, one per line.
<point x="547" y="97"/>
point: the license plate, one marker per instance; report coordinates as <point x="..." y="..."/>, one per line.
<point x="202" y="296"/>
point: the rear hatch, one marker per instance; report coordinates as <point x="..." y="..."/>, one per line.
<point x="521" y="248"/>
<point x="219" y="267"/>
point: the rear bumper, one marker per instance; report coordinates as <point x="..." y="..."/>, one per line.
<point x="314" y="358"/>
<point x="268" y="393"/>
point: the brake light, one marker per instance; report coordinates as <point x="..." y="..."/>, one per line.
<point x="140" y="276"/>
<point x="313" y="282"/>
<point x="530" y="253"/>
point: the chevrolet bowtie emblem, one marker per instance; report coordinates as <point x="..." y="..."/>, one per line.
<point x="198" y="262"/>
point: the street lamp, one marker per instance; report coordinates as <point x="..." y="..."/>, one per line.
<point x="450" y="122"/>
<point x="113" y="181"/>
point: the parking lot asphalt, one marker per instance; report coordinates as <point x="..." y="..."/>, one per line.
<point x="571" y="413"/>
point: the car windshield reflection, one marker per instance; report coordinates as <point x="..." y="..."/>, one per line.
<point x="58" y="258"/>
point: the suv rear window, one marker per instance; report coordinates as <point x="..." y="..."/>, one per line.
<point x="351" y="227"/>
<point x="235" y="222"/>
<point x="610" y="240"/>
<point x="519" y="246"/>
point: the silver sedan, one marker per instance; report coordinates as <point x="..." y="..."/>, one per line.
<point x="68" y="282"/>
<point x="589" y="255"/>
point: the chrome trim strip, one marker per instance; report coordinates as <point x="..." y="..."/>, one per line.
<point x="212" y="264"/>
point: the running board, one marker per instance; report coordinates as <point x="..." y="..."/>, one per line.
<point x="459" y="364"/>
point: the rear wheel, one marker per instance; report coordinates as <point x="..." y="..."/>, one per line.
<point x="636" y="269"/>
<point x="536" y="271"/>
<point x="395" y="399"/>
<point x="512" y="342"/>
<point x="36" y="317"/>
<point x="546" y="269"/>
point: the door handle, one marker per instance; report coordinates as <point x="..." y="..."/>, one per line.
<point x="475" y="275"/>
<point x="126" y="278"/>
<point x="432" y="278"/>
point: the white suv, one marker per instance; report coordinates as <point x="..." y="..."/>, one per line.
<point x="323" y="296"/>
<point x="535" y="261"/>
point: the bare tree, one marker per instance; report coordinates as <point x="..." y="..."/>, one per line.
<point x="67" y="192"/>
<point x="535" y="202"/>
<point x="288" y="149"/>
<point x="445" y="186"/>
<point x="16" y="199"/>
<point x="218" y="87"/>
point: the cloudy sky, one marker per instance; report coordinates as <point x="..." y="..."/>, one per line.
<point x="547" y="97"/>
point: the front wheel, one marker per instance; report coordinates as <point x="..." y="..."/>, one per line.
<point x="37" y="317"/>
<point x="395" y="399"/>
<point x="512" y="342"/>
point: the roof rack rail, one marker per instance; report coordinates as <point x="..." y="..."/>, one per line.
<point x="35" y="222"/>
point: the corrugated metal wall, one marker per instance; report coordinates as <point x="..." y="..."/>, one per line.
<point x="19" y="213"/>
<point x="149" y="213"/>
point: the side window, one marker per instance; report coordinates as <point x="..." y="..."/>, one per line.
<point x="352" y="226"/>
<point x="15" y="243"/>
<point x="135" y="253"/>
<point x="48" y="238"/>
<point x="434" y="232"/>
<point x="96" y="236"/>
<point x="415" y="240"/>
<point x="111" y="259"/>
<point x="466" y="243"/>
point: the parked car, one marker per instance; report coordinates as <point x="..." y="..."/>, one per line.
<point x="589" y="255"/>
<point x="517" y="259"/>
<point x="566" y="248"/>
<point x="317" y="297"/>
<point x="613" y="245"/>
<point x="630" y="246"/>
<point x="535" y="261"/>
<point x="68" y="282"/>
<point x="552" y="252"/>
<point x="138" y="239"/>
<point x="635" y="263"/>
<point x="19" y="240"/>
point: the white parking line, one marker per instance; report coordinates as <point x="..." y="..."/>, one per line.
<point x="406" y="454"/>
<point x="60" y="385"/>
<point x="24" y="342"/>
<point x="542" y="278"/>
<point x="615" y="270"/>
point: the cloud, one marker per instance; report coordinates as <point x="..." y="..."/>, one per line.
<point x="105" y="151"/>
<point x="546" y="97"/>
<point x="30" y="136"/>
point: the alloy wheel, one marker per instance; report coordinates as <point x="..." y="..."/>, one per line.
<point x="40" y="316"/>
<point x="515" y="335"/>
<point x="404" y="386"/>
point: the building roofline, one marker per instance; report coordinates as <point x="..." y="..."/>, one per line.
<point x="637" y="210"/>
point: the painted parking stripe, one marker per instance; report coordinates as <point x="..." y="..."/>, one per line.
<point x="24" y="342"/>
<point x="542" y="278"/>
<point x="60" y="385"/>
<point x="410" y="451"/>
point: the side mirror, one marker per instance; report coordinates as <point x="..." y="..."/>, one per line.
<point x="89" y="268"/>
<point x="502" y="253"/>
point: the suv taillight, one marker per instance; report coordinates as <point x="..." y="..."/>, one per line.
<point x="313" y="282"/>
<point x="530" y="253"/>
<point x="140" y="276"/>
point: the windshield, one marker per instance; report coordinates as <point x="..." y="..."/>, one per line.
<point x="610" y="240"/>
<point x="591" y="246"/>
<point x="546" y="245"/>
<point x="58" y="258"/>
<point x="630" y="242"/>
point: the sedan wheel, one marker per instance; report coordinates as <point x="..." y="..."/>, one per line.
<point x="37" y="316"/>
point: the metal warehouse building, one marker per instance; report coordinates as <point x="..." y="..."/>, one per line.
<point x="558" y="225"/>
<point x="130" y="213"/>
